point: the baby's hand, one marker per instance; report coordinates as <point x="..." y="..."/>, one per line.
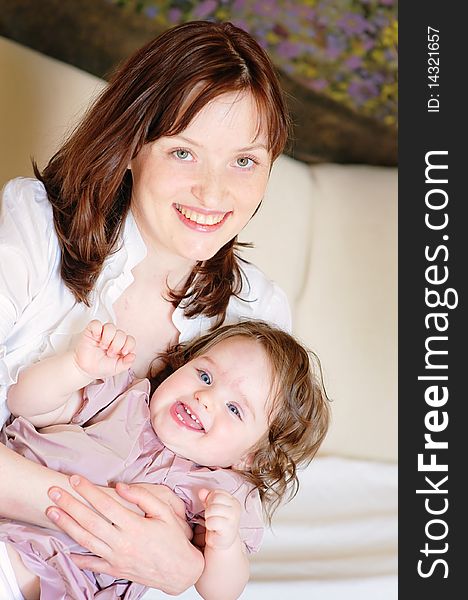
<point x="104" y="350"/>
<point x="222" y="518"/>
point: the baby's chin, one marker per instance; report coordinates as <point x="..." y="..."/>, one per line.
<point x="211" y="462"/>
<point x="199" y="458"/>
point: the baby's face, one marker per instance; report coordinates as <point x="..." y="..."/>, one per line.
<point x="214" y="409"/>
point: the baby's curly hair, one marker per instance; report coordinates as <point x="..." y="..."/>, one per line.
<point x="299" y="414"/>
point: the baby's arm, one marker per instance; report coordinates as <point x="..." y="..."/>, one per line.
<point x="50" y="391"/>
<point x="226" y="569"/>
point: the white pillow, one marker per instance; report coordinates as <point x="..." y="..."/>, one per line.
<point x="348" y="310"/>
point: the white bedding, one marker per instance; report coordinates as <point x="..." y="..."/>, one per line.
<point x="337" y="539"/>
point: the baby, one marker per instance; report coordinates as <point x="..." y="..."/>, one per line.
<point x="231" y="417"/>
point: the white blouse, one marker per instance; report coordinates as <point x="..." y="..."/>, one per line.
<point x="39" y="315"/>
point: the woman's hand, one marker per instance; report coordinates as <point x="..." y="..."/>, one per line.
<point x="153" y="550"/>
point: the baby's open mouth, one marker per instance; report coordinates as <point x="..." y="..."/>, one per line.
<point x="187" y="417"/>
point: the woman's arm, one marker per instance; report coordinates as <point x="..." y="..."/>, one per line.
<point x="33" y="481"/>
<point x="151" y="550"/>
<point x="23" y="488"/>
<point x="146" y="549"/>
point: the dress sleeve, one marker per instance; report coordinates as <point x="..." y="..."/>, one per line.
<point x="186" y="486"/>
<point x="100" y="394"/>
<point x="25" y="224"/>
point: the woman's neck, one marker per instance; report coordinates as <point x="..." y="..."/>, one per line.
<point x="166" y="270"/>
<point x="163" y="270"/>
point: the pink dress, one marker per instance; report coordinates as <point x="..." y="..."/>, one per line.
<point x="109" y="440"/>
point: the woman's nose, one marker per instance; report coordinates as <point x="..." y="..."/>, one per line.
<point x="209" y="189"/>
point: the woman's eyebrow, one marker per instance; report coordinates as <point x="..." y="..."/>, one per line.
<point x="186" y="139"/>
<point x="253" y="147"/>
<point x="192" y="142"/>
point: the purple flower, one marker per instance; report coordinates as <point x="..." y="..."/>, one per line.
<point x="297" y="9"/>
<point x="241" y="23"/>
<point x="287" y="49"/>
<point x="238" y="5"/>
<point x="353" y="62"/>
<point x="377" y="78"/>
<point x="323" y="21"/>
<point x="151" y="11"/>
<point x="174" y="15"/>
<point x="361" y="91"/>
<point x="260" y="31"/>
<point x="203" y="9"/>
<point x="318" y="84"/>
<point x="292" y="24"/>
<point x="335" y="46"/>
<point x="381" y="20"/>
<point x="352" y="23"/>
<point x="368" y="44"/>
<point x="265" y="8"/>
<point x="310" y="49"/>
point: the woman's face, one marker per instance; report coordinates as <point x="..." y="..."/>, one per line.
<point x="195" y="191"/>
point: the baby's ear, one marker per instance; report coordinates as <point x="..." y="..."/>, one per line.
<point x="245" y="463"/>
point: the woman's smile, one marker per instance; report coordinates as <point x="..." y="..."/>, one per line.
<point x="201" y="219"/>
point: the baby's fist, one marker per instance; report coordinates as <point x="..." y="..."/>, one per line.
<point x="104" y="350"/>
<point x="222" y="518"/>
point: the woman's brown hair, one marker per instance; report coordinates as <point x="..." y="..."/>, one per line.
<point x="156" y="92"/>
<point x="298" y="413"/>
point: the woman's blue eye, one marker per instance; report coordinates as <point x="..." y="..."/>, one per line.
<point x="235" y="411"/>
<point x="182" y="154"/>
<point x="244" y="162"/>
<point x="204" y="376"/>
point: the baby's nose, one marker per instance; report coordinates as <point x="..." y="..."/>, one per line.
<point x="203" y="397"/>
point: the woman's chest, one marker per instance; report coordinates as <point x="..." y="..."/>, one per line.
<point x="148" y="318"/>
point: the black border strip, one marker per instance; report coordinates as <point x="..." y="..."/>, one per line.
<point x="422" y="246"/>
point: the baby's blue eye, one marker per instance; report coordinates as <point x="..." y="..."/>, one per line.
<point x="205" y="377"/>
<point x="235" y="411"/>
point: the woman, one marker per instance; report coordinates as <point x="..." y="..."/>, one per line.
<point x="135" y="221"/>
